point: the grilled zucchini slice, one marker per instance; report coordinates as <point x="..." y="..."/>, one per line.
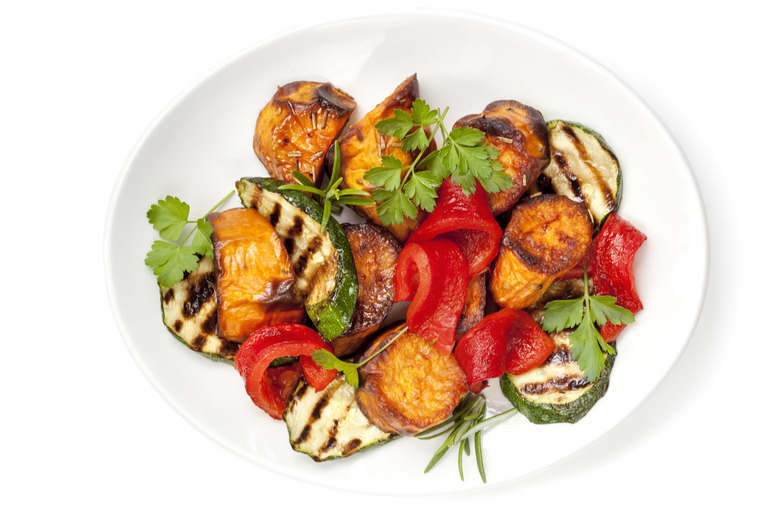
<point x="557" y="391"/>
<point x="323" y="263"/>
<point x="328" y="424"/>
<point x="584" y="168"/>
<point x="189" y="311"/>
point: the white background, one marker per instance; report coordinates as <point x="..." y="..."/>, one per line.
<point x="80" y="83"/>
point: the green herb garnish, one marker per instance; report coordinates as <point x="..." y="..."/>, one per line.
<point x="332" y="198"/>
<point x="463" y="155"/>
<point x="172" y="258"/>
<point x="329" y="361"/>
<point x="587" y="344"/>
<point x="467" y="420"/>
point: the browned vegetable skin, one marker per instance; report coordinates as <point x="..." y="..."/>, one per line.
<point x="296" y="128"/>
<point x="546" y="236"/>
<point x="474" y="309"/>
<point x="411" y="385"/>
<point x="519" y="133"/>
<point x="375" y="251"/>
<point x="363" y="146"/>
<point x="255" y="280"/>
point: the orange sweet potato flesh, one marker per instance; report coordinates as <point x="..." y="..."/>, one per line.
<point x="255" y="280"/>
<point x="411" y="385"/>
<point x="519" y="133"/>
<point x="546" y="236"/>
<point x="363" y="146"/>
<point x="296" y="128"/>
<point x="375" y="251"/>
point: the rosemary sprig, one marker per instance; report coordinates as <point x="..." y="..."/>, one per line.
<point x="467" y="420"/>
<point x="332" y="197"/>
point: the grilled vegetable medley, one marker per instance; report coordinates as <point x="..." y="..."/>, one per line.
<point x="501" y="232"/>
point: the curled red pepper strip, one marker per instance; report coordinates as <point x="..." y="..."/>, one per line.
<point x="465" y="220"/>
<point x="613" y="268"/>
<point x="268" y="343"/>
<point x="506" y="341"/>
<point x="432" y="275"/>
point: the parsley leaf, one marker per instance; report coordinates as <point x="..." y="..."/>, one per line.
<point x="463" y="155"/>
<point x="170" y="261"/>
<point x="587" y="345"/>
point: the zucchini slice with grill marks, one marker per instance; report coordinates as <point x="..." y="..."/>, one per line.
<point x="324" y="267"/>
<point x="328" y="424"/>
<point x="584" y="168"/>
<point x="557" y="390"/>
<point x="189" y="311"/>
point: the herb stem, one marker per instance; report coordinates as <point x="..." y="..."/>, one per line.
<point x="213" y="209"/>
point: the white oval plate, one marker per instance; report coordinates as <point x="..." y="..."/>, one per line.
<point x="203" y="143"/>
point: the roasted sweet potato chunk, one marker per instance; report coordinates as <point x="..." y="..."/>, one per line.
<point x="375" y="251"/>
<point x="411" y="385"/>
<point x="363" y="146"/>
<point x="546" y="236"/>
<point x="519" y="134"/>
<point x="255" y="280"/>
<point x="296" y="128"/>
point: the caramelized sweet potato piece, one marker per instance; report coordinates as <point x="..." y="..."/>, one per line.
<point x="363" y="146"/>
<point x="474" y="309"/>
<point x="375" y="251"/>
<point x="519" y="134"/>
<point x="296" y="128"/>
<point x="546" y="236"/>
<point x="411" y="385"/>
<point x="255" y="280"/>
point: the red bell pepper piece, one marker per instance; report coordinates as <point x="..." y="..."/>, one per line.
<point x="506" y="341"/>
<point x="613" y="268"/>
<point x="432" y="275"/>
<point x="269" y="388"/>
<point x="466" y="220"/>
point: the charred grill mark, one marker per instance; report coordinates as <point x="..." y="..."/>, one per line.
<point x="571" y="177"/>
<point x="228" y="348"/>
<point x="331" y="442"/>
<point x="352" y="446"/>
<point x="209" y="326"/>
<point x="168" y="296"/>
<point x="303" y="436"/>
<point x="198" y="342"/>
<point x="296" y="229"/>
<point x="303" y="259"/>
<point x="199" y="294"/>
<point x="276" y="214"/>
<point x="177" y="325"/>
<point x="583" y="154"/>
<point x="316" y="412"/>
<point x="564" y="383"/>
<point x="562" y="355"/>
<point x="289" y="244"/>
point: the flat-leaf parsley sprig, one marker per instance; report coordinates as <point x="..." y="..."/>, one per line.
<point x="587" y="344"/>
<point x="463" y="155"/>
<point x="172" y="258"/>
<point x="333" y="197"/>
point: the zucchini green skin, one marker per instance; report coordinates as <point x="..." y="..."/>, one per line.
<point x="599" y="215"/>
<point x="570" y="412"/>
<point x="331" y="315"/>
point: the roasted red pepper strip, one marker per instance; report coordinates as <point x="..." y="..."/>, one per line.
<point x="506" y="341"/>
<point x="613" y="268"/>
<point x="466" y="220"/>
<point x="432" y="275"/>
<point x="268" y="343"/>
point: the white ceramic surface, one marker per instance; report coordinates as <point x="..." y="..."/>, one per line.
<point x="199" y="146"/>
